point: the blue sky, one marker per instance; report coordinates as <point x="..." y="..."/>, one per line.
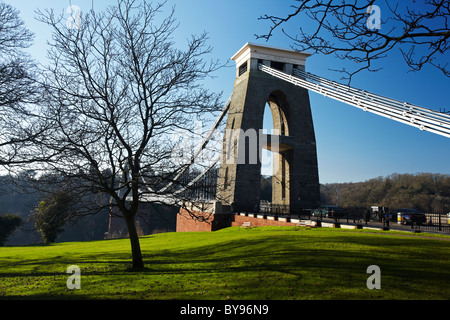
<point x="352" y="145"/>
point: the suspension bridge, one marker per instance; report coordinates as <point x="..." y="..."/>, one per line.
<point x="264" y="74"/>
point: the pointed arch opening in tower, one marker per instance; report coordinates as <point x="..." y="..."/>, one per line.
<point x="280" y="155"/>
<point x="267" y="158"/>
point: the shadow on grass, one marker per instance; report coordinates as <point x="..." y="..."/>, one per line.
<point x="266" y="267"/>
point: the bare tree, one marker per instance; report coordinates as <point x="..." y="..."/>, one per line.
<point x="347" y="29"/>
<point x="117" y="88"/>
<point x="18" y="89"/>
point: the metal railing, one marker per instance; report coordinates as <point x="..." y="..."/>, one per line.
<point x="435" y="223"/>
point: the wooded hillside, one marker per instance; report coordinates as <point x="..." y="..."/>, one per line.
<point x="425" y="192"/>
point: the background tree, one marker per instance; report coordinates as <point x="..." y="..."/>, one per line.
<point x="425" y="192"/>
<point x="51" y="215"/>
<point x="117" y="87"/>
<point x="19" y="124"/>
<point x="419" y="29"/>
<point x="8" y="224"/>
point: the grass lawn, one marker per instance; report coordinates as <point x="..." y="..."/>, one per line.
<point x="235" y="263"/>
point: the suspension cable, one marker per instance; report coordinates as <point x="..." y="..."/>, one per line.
<point x="200" y="148"/>
<point x="419" y="117"/>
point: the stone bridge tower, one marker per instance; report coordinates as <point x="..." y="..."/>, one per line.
<point x="295" y="179"/>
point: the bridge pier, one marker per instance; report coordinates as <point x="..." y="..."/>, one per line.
<point x="295" y="180"/>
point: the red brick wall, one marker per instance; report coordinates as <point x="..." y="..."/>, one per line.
<point x="185" y="222"/>
<point x="203" y="221"/>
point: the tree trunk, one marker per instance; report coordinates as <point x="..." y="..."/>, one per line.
<point x="134" y="240"/>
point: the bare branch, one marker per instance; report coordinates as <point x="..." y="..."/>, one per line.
<point x="20" y="124"/>
<point x="117" y="89"/>
<point x="340" y="29"/>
